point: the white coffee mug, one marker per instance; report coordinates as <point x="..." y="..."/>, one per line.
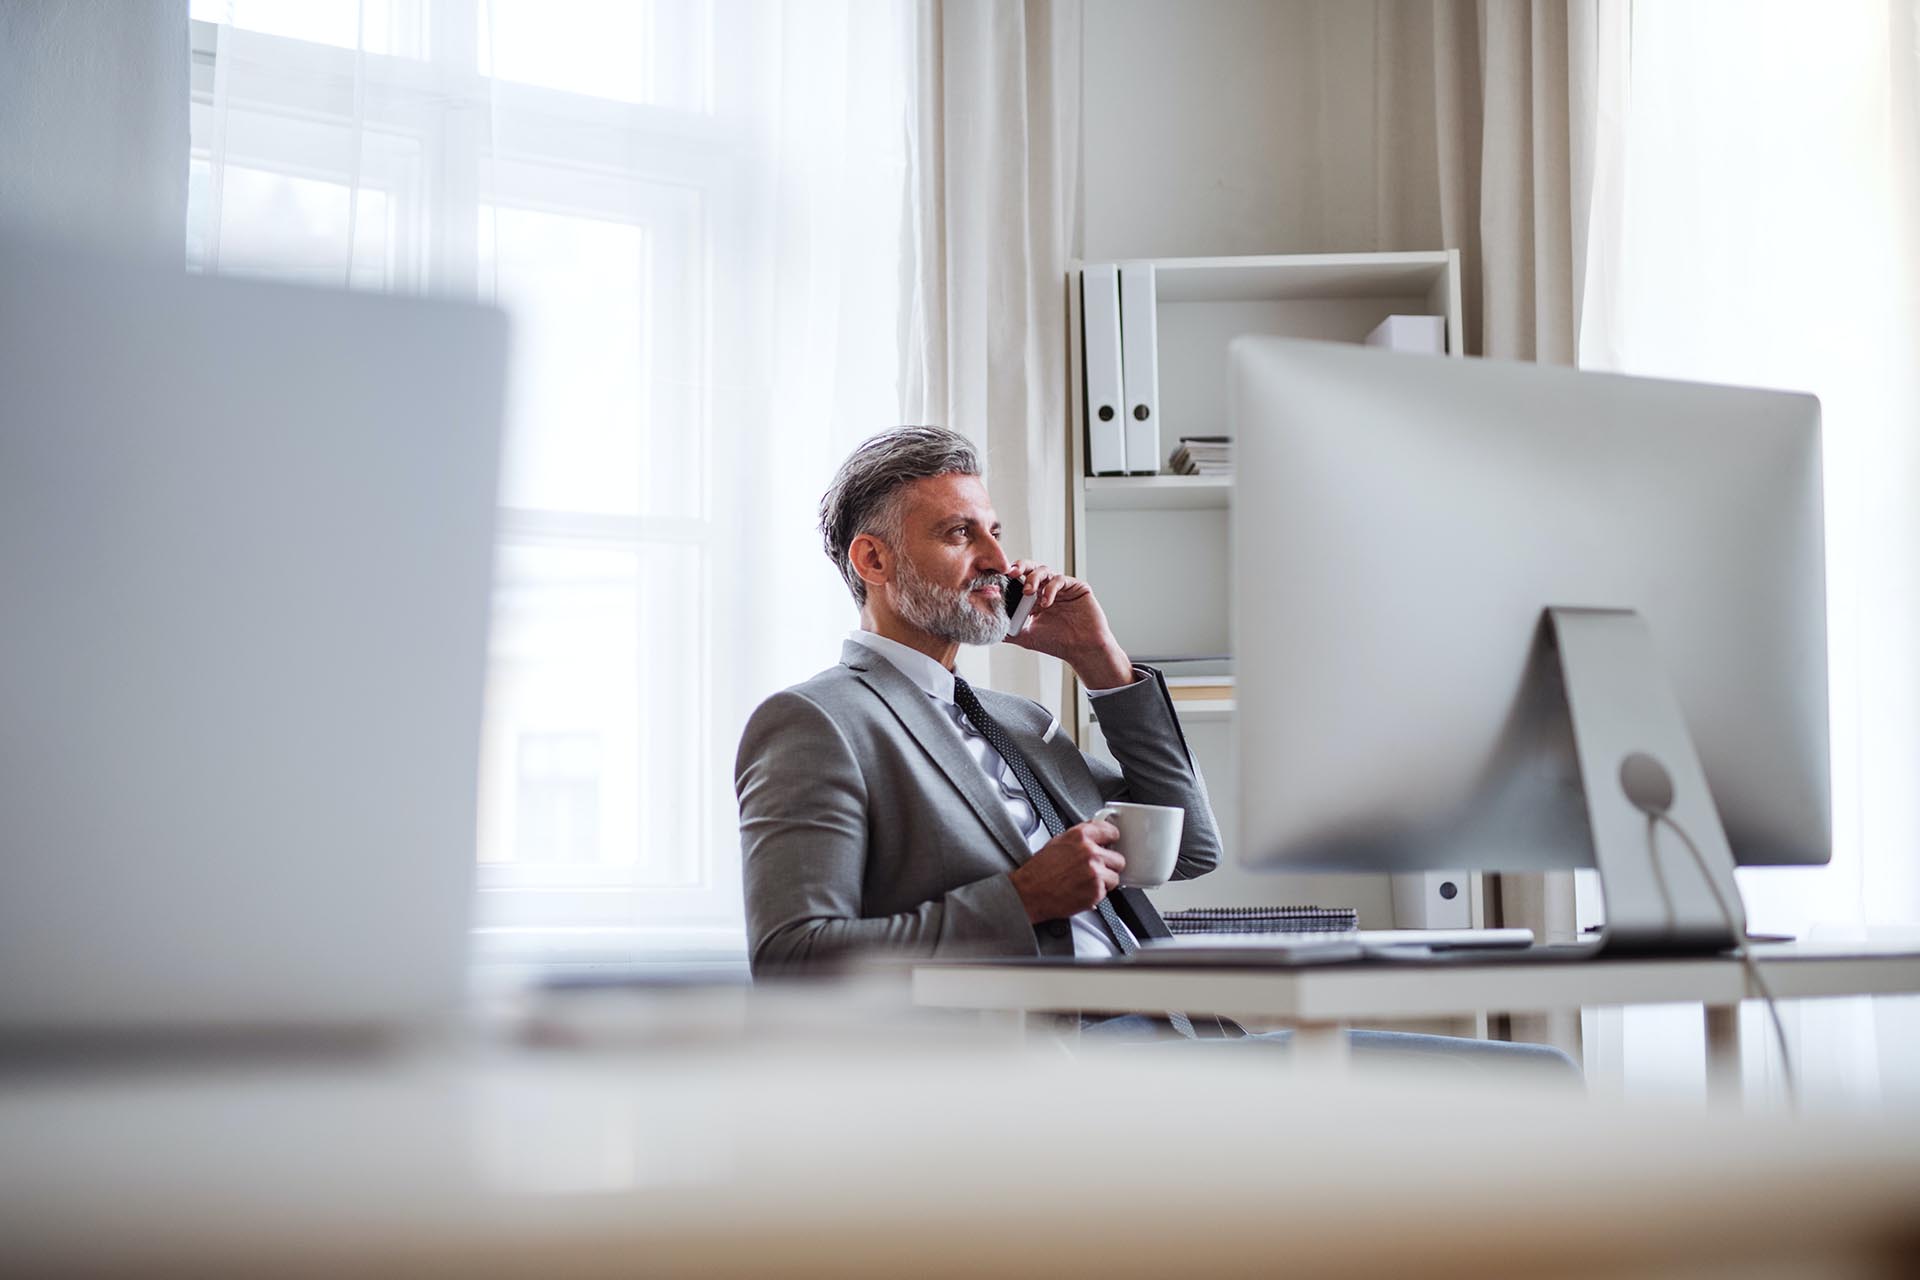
<point x="1149" y="840"/>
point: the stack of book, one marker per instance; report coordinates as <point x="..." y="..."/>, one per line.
<point x="1263" y="920"/>
<point x="1204" y="456"/>
<point x="1200" y="688"/>
<point x="1196" y="679"/>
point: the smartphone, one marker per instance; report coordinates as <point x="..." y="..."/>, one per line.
<point x="1019" y="605"/>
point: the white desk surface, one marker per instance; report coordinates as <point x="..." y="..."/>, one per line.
<point x="896" y="1159"/>
<point x="1346" y="992"/>
<point x="745" y="1135"/>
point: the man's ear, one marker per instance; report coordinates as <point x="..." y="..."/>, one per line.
<point x="872" y="559"/>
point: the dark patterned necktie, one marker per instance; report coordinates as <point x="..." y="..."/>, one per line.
<point x="976" y="714"/>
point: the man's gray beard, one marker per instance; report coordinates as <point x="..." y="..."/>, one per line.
<point x="942" y="612"/>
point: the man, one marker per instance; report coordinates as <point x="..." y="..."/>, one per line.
<point x="886" y="805"/>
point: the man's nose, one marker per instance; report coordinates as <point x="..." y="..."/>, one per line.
<point x="992" y="559"/>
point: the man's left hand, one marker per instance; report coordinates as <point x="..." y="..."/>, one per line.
<point x="1068" y="623"/>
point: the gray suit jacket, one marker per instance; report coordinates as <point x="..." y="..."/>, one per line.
<point x="865" y="825"/>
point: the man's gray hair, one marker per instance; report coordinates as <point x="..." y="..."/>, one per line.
<point x="865" y="494"/>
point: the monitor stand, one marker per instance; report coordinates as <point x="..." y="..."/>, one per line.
<point x="1646" y="794"/>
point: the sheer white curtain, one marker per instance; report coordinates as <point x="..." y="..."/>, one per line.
<point x="1766" y="233"/>
<point x="993" y="212"/>
<point x="1485" y="123"/>
<point x="1756" y="222"/>
<point x="691" y="209"/>
<point x="1485" y="120"/>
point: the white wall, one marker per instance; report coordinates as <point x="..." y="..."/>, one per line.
<point x="1227" y="127"/>
<point x="93" y="123"/>
<point x="1232" y="127"/>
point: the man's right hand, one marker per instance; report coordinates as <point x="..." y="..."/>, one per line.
<point x="1071" y="873"/>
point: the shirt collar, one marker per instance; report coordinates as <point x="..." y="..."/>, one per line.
<point x="916" y="666"/>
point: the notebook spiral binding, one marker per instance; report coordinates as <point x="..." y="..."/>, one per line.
<point x="1263" y="920"/>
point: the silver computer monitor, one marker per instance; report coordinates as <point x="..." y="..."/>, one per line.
<point x="246" y="541"/>
<point x="1468" y="593"/>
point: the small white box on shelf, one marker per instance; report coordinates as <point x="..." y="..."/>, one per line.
<point x="1419" y="335"/>
<point x="1432" y="900"/>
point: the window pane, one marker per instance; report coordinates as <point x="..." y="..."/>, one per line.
<point x="274" y="224"/>
<point x="199" y="212"/>
<point x="655" y="52"/>
<point x="378" y="26"/>
<point x="604" y="414"/>
<point x="595" y="711"/>
<point x="557" y="798"/>
<point x="281" y="192"/>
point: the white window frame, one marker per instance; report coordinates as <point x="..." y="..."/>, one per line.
<point x="564" y="161"/>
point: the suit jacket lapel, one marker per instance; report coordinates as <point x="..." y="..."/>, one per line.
<point x="941" y="741"/>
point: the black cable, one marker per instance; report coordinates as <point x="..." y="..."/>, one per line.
<point x="1741" y="948"/>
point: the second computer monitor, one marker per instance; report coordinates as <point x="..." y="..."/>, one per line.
<point x="1402" y="528"/>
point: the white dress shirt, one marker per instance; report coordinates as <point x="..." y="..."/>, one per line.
<point x="1090" y="937"/>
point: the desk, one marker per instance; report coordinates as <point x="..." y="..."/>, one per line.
<point x="1320" y="1000"/>
<point x="956" y="1159"/>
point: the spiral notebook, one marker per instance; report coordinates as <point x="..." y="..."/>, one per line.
<point x="1262" y="920"/>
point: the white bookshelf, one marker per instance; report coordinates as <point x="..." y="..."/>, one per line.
<point x="1157" y="493"/>
<point x="1155" y="546"/>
